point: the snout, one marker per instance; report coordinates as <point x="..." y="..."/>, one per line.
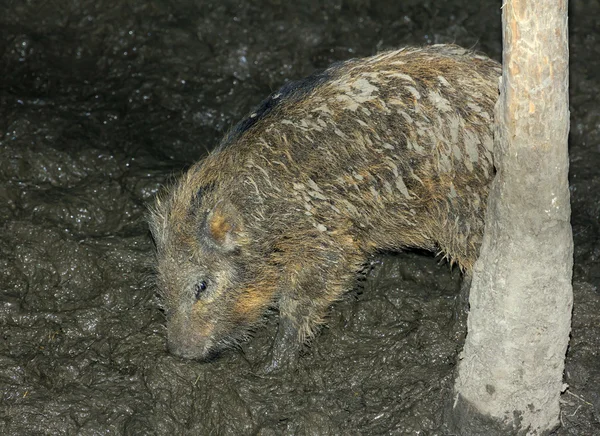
<point x="187" y="342"/>
<point x="191" y="352"/>
<point x="188" y="348"/>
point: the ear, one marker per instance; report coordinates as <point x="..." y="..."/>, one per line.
<point x="223" y="227"/>
<point x="156" y="220"/>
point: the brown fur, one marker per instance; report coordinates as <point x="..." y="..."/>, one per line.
<point x="386" y="152"/>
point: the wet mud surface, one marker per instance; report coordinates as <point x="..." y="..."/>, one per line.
<point x="102" y="102"/>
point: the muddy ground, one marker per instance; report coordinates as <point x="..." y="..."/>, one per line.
<point x="102" y="101"/>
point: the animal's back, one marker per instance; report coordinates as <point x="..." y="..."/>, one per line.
<point x="395" y="150"/>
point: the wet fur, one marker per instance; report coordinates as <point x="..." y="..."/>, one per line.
<point x="373" y="154"/>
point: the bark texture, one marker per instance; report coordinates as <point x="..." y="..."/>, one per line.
<point x="510" y="374"/>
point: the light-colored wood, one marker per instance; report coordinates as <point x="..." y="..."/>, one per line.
<point x="521" y="296"/>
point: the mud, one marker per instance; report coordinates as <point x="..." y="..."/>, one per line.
<point x="101" y="102"/>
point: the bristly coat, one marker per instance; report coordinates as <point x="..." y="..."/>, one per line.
<point x="372" y="154"/>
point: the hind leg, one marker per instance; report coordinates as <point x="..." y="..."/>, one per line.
<point x="461" y="309"/>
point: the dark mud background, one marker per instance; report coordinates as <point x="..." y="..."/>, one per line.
<point x="102" y="101"/>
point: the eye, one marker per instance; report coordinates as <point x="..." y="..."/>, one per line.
<point x="199" y="289"/>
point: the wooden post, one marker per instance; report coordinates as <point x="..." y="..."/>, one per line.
<point x="510" y="375"/>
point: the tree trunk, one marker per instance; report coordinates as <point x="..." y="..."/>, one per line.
<point x="510" y="374"/>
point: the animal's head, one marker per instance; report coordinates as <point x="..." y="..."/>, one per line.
<point x="211" y="292"/>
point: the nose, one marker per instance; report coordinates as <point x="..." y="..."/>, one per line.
<point x="189" y="345"/>
<point x="188" y="338"/>
<point x="183" y="346"/>
<point x="175" y="348"/>
<point x="186" y="352"/>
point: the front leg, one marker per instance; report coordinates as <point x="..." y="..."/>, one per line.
<point x="305" y="298"/>
<point x="285" y="349"/>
